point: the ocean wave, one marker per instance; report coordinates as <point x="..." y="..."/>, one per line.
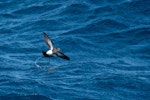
<point x="23" y="97"/>
<point x="37" y="9"/>
<point x="107" y="42"/>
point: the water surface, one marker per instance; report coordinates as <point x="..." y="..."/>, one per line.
<point x="107" y="41"/>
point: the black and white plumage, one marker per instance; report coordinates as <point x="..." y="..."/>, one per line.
<point x="52" y="50"/>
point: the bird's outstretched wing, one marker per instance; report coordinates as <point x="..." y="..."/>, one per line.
<point x="61" y="55"/>
<point x="48" y="41"/>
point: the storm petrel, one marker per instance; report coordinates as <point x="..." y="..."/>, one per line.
<point x="52" y="49"/>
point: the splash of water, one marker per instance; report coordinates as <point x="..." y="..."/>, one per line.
<point x="36" y="64"/>
<point x="48" y="69"/>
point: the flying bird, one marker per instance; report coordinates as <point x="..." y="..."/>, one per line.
<point x="52" y="50"/>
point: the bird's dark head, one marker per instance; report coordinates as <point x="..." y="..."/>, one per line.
<point x="44" y="53"/>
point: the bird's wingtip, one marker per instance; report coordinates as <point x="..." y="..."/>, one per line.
<point x="68" y="58"/>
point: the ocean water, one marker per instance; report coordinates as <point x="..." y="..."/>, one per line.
<point x="108" y="42"/>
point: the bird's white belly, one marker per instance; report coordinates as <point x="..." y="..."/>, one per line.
<point x="49" y="52"/>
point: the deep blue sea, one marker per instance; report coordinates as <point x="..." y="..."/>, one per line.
<point x="108" y="42"/>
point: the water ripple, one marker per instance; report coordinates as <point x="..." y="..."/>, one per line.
<point x="107" y="42"/>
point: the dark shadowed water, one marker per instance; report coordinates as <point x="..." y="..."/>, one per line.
<point x="108" y="42"/>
